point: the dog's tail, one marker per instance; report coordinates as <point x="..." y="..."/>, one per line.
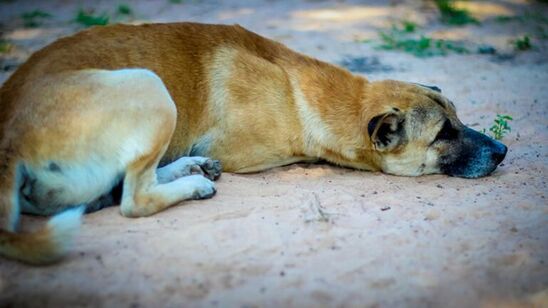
<point x="44" y="246"/>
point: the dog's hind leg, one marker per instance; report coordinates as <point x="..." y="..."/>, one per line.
<point x="78" y="134"/>
<point x="148" y="133"/>
<point x="143" y="195"/>
<point x="129" y="121"/>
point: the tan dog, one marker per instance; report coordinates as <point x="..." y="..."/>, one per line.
<point x="113" y="103"/>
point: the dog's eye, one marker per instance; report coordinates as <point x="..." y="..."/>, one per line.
<point x="447" y="132"/>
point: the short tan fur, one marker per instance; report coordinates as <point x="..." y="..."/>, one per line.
<point x="116" y="102"/>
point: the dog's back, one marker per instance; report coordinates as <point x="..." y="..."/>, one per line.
<point x="181" y="54"/>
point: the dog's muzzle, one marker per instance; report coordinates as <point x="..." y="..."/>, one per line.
<point x="476" y="155"/>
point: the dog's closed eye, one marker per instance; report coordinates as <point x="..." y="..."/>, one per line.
<point x="433" y="88"/>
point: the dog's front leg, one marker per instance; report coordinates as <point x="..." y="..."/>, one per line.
<point x="186" y="166"/>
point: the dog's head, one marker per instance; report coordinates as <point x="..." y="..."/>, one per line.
<point x="414" y="130"/>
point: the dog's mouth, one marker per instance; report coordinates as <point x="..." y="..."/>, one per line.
<point x="476" y="155"/>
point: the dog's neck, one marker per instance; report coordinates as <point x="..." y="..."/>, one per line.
<point x="329" y="104"/>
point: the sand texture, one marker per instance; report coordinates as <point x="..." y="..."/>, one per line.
<point x="315" y="235"/>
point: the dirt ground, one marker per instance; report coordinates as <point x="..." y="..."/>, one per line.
<point x="318" y="235"/>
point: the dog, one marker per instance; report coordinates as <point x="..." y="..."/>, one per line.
<point x="142" y="108"/>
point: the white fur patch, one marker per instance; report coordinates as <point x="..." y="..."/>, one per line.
<point x="75" y="183"/>
<point x="315" y="133"/>
<point x="64" y="226"/>
<point x="219" y="74"/>
<point x="411" y="163"/>
<point x="431" y="164"/>
<point x="408" y="164"/>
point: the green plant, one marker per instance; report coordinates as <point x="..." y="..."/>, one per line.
<point x="452" y="15"/>
<point x="399" y="39"/>
<point x="176" y="1"/>
<point x="500" y="126"/>
<point x="522" y="43"/>
<point x="88" y="19"/>
<point x="124" y="9"/>
<point x="5" y="46"/>
<point x="408" y="26"/>
<point x="34" y="18"/>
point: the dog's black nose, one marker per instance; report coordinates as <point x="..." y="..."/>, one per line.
<point x="499" y="154"/>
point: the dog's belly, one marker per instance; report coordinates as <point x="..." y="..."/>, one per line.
<point x="49" y="189"/>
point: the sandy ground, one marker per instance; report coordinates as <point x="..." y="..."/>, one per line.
<point x="319" y="235"/>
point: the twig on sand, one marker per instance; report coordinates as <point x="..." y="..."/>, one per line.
<point x="317" y="212"/>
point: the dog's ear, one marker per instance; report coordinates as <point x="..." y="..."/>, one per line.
<point x="386" y="130"/>
<point x="433" y="88"/>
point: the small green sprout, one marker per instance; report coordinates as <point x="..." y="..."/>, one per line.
<point x="34" y="18"/>
<point x="88" y="19"/>
<point x="5" y="46"/>
<point x="124" y="9"/>
<point x="501" y="127"/>
<point x="408" y="26"/>
<point x="452" y="15"/>
<point x="522" y="43"/>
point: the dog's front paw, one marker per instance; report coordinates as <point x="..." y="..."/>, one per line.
<point x="186" y="166"/>
<point x="211" y="169"/>
<point x="203" y="188"/>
